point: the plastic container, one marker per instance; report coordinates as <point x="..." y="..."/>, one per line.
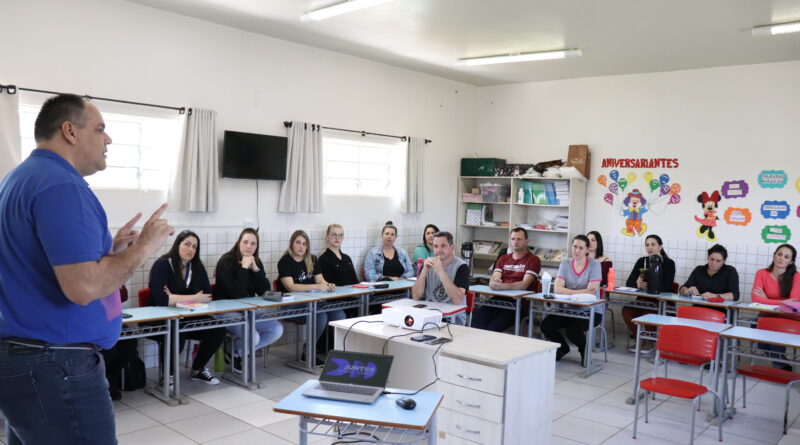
<point x="494" y="192"/>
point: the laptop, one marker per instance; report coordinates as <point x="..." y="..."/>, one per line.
<point x="352" y="376"/>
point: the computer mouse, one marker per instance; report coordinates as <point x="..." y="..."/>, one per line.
<point x="406" y="403"/>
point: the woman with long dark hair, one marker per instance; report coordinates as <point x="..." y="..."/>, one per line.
<point x="178" y="277"/>
<point x="425" y="250"/>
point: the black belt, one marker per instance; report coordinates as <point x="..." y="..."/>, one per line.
<point x="39" y="344"/>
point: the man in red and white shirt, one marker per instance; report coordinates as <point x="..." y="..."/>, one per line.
<point x="518" y="270"/>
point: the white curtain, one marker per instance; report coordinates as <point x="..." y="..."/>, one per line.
<point x="411" y="201"/>
<point x="10" y="144"/>
<point x="301" y="192"/>
<point x="195" y="183"/>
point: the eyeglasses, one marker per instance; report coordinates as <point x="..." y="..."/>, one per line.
<point x="337" y="235"/>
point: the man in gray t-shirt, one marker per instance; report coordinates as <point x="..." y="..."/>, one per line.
<point x="444" y="277"/>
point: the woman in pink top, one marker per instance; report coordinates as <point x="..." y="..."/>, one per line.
<point x="779" y="281"/>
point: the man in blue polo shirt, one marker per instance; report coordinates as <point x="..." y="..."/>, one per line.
<point x="60" y="272"/>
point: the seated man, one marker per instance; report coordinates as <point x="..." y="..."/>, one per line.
<point x="444" y="277"/>
<point x="516" y="270"/>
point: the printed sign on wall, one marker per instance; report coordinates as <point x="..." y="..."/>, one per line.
<point x="775" y="209"/>
<point x="735" y="189"/>
<point x="776" y="234"/>
<point x="737" y="216"/>
<point x="772" y="179"/>
<point x="635" y="202"/>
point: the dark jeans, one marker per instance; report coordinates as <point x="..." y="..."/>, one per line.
<point x="492" y="319"/>
<point x="55" y="396"/>
<point x="575" y="329"/>
<point x="210" y="341"/>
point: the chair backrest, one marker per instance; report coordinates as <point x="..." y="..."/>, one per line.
<point x="701" y="313"/>
<point x="779" y="325"/>
<point x="213" y="290"/>
<point x="675" y="287"/>
<point x="144" y="297"/>
<point x="687" y="341"/>
<point x="470" y="301"/>
<point x="604" y="266"/>
<point x="123" y="294"/>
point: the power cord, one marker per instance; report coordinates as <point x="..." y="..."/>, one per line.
<point x="433" y="359"/>
<point x="344" y="339"/>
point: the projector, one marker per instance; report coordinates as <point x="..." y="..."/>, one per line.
<point x="412" y="318"/>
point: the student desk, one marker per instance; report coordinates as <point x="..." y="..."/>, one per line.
<point x="214" y="307"/>
<point x="744" y="313"/>
<point x="680" y="299"/>
<point x="627" y="297"/>
<point x="510" y="300"/>
<point x="665" y="320"/>
<point x="131" y="330"/>
<point x="498" y="388"/>
<point x="397" y="289"/>
<point x="566" y="308"/>
<point x="379" y="422"/>
<point x="733" y="336"/>
<point x="479" y="277"/>
<point x="299" y="306"/>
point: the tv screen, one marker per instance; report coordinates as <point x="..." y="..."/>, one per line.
<point x="254" y="156"/>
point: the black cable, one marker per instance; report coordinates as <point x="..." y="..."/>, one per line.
<point x="344" y="339"/>
<point x="433" y="358"/>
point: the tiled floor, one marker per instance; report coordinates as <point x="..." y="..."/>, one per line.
<point x="586" y="411"/>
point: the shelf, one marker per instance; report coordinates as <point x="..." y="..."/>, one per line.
<point x="484" y="202"/>
<point x="550" y="263"/>
<point x="548" y="231"/>
<point x="564" y="206"/>
<point x="519" y="178"/>
<point x="488" y="227"/>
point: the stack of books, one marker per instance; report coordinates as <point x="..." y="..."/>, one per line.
<point x="562" y="192"/>
<point x="544" y="193"/>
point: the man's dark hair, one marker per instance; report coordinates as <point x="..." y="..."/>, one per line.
<point x="520" y="229"/>
<point x="447" y="235"/>
<point x="56" y="111"/>
<point x="718" y="248"/>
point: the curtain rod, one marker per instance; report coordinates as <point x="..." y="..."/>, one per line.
<point x="12" y="89"/>
<point x="288" y="124"/>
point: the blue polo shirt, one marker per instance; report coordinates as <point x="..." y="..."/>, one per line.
<point x="50" y="217"/>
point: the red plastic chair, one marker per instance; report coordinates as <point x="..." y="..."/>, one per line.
<point x="470" y="306"/>
<point x="768" y="373"/>
<point x="684" y="341"/>
<point x="144" y="297"/>
<point x="694" y="313"/>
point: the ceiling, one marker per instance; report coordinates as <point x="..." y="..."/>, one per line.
<point x="616" y="36"/>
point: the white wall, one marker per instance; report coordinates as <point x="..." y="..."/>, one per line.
<point x="127" y="51"/>
<point x="722" y="124"/>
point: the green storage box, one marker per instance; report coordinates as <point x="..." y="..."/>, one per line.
<point x="480" y="166"/>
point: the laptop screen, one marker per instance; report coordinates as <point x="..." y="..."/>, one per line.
<point x="357" y="368"/>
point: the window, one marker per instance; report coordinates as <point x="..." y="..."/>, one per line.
<point x="362" y="166"/>
<point x="140" y="156"/>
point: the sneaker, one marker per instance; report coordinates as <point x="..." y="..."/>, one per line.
<point x="171" y="382"/>
<point x="205" y="376"/>
<point x="236" y="366"/>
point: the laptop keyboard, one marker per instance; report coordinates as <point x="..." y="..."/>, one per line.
<point x="349" y="389"/>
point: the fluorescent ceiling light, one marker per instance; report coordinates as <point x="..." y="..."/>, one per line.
<point x="780" y="28"/>
<point x="521" y="57"/>
<point x="335" y="9"/>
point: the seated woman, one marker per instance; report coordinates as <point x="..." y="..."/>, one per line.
<point x="653" y="246"/>
<point x="299" y="271"/>
<point x="577" y="275"/>
<point x="335" y="265"/>
<point x="240" y="273"/>
<point x="387" y="262"/>
<point x="596" y="252"/>
<point x="177" y="277"/>
<point x="714" y="279"/>
<point x="780" y="281"/>
<point x="425" y="250"/>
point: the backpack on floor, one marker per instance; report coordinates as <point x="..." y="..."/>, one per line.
<point x="133" y="374"/>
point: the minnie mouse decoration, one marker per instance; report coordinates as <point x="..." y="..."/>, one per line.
<point x="709" y="220"/>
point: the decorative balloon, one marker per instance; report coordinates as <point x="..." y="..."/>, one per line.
<point x="631" y="177"/>
<point x="675" y="198"/>
<point x="654" y="184"/>
<point x="613" y="188"/>
<point x="664" y="178"/>
<point x="614" y="175"/>
<point x="648" y="176"/>
<point x="602" y="180"/>
<point x="609" y="198"/>
<point x="675" y="189"/>
<point x="664" y="189"/>
<point x="622" y="183"/>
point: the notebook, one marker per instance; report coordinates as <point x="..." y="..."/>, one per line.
<point x="352" y="376"/>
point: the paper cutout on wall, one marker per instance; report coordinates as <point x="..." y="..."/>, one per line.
<point x="634" y="207"/>
<point x="775" y="209"/>
<point x="622" y="183"/>
<point x="664" y="178"/>
<point x="772" y="179"/>
<point x="614" y="175"/>
<point x="602" y="180"/>
<point x="798" y="211"/>
<point x="737" y="216"/>
<point x="613" y="188"/>
<point x="648" y="176"/>
<point x="664" y="189"/>
<point x="609" y="198"/>
<point x="735" y="189"/>
<point x="654" y="184"/>
<point x="675" y="189"/>
<point x="797" y="184"/>
<point x="638" y="201"/>
<point x="674" y="198"/>
<point x="709" y="203"/>
<point x="776" y="234"/>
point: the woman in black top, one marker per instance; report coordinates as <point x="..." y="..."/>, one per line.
<point x="177" y="277"/>
<point x="240" y="274"/>
<point x="336" y="266"/>
<point x="653" y="246"/>
<point x="299" y="271"/>
<point x="715" y="279"/>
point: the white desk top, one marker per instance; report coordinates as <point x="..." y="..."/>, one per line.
<point x="763" y="336"/>
<point x="214" y="307"/>
<point x="666" y="320"/>
<point x="148" y="313"/>
<point x="698" y="301"/>
<point x="445" y="308"/>
<point x="486" y="290"/>
<point x="540" y="297"/>
<point x="637" y="292"/>
<point x="260" y="302"/>
<point x="764" y="309"/>
<point x="493" y="348"/>
<point x="340" y="292"/>
<point x="393" y="285"/>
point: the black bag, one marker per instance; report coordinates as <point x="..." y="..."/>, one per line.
<point x="133" y="373"/>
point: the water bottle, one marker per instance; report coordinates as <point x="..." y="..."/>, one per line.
<point x="466" y="254"/>
<point x="420" y="263"/>
<point x="654" y="275"/>
<point x="546" y="280"/>
<point x="610" y="284"/>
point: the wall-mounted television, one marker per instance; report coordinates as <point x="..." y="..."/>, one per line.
<point x="254" y="156"/>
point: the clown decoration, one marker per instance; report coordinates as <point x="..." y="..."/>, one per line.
<point x="709" y="219"/>
<point x="633" y="209"/>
